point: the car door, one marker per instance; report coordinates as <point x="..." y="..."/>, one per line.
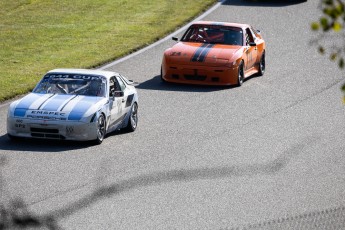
<point x="127" y="97"/>
<point x="116" y="102"/>
<point x="251" y="49"/>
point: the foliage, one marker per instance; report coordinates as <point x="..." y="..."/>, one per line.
<point x="331" y="31"/>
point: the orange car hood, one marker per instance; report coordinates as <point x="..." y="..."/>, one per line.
<point x="202" y="53"/>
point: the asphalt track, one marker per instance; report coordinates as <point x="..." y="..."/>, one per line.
<point x="267" y="155"/>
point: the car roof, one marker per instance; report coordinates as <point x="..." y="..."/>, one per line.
<point x="232" y="24"/>
<point x="104" y="73"/>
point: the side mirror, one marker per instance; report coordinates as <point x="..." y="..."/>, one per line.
<point x="114" y="93"/>
<point x="119" y="93"/>
<point x="174" y="38"/>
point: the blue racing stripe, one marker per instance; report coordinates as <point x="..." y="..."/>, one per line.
<point x="54" y="103"/>
<point x="27" y="101"/>
<point x="25" y="104"/>
<point x="19" y="112"/>
<point x="81" y="107"/>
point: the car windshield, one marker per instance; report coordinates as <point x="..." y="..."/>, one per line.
<point x="89" y="85"/>
<point x="214" y="34"/>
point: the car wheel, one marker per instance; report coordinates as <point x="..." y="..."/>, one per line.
<point x="100" y="129"/>
<point x="133" y="118"/>
<point x="240" y="77"/>
<point x="262" y="64"/>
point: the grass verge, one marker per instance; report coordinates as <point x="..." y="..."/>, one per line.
<point x="39" y="35"/>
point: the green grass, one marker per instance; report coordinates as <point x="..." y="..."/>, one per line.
<point x="39" y="35"/>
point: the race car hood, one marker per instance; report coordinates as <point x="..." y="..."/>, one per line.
<point x="202" y="53"/>
<point x="56" y="106"/>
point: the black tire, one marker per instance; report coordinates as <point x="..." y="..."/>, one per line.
<point x="133" y="118"/>
<point x="240" y="76"/>
<point x="101" y="129"/>
<point x="262" y="65"/>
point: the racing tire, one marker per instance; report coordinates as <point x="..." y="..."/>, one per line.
<point x="133" y="118"/>
<point x="262" y="65"/>
<point x="101" y="129"/>
<point x="240" y="76"/>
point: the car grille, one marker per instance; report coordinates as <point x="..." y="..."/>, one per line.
<point x="46" y="133"/>
<point x="195" y="77"/>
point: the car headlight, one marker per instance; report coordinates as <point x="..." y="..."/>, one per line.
<point x="175" y="53"/>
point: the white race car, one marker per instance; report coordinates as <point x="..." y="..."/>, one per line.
<point x="75" y="104"/>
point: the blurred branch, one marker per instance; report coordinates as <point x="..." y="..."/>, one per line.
<point x="331" y="33"/>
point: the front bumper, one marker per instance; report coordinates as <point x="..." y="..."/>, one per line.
<point x="61" y="130"/>
<point x="200" y="75"/>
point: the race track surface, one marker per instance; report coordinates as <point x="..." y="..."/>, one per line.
<point x="267" y="155"/>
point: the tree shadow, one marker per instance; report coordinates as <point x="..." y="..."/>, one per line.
<point x="185" y="175"/>
<point x="25" y="218"/>
<point x="263" y="3"/>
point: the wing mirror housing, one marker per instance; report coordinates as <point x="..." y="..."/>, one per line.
<point x="119" y="93"/>
<point x="114" y="93"/>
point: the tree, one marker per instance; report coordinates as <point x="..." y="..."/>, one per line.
<point x="331" y="39"/>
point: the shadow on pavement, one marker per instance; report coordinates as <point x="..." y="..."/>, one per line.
<point x="185" y="175"/>
<point x="38" y="145"/>
<point x="18" y="215"/>
<point x="156" y="83"/>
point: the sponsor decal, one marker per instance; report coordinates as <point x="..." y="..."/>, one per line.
<point x="46" y="115"/>
<point x="201" y="53"/>
<point x="217" y="23"/>
<point x="69" y="129"/>
<point x="20" y="126"/>
<point x="71" y="76"/>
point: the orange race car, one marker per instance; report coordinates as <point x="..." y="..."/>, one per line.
<point x="215" y="53"/>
